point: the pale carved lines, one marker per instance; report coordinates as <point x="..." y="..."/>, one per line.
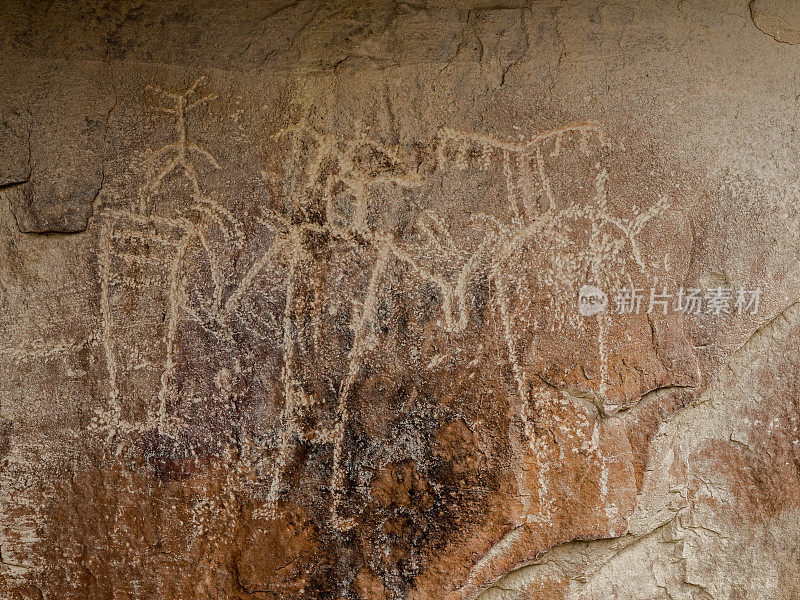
<point x="177" y="301"/>
<point x="603" y="251"/>
<point x="182" y="147"/>
<point x="42" y="350"/>
<point x="178" y="234"/>
<point x="455" y="296"/>
<point x="184" y="164"/>
<point x="494" y="256"/>
<point x="107" y="319"/>
<point x="525" y="226"/>
<point x="289" y="429"/>
<point x="289" y="235"/>
<point x="365" y="340"/>
<point x="329" y="168"/>
<point x="584" y="130"/>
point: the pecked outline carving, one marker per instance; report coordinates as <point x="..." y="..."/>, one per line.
<point x="330" y="170"/>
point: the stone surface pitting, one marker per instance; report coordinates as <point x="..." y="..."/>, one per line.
<point x="314" y="330"/>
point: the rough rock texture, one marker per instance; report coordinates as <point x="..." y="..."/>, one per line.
<point x="288" y="300"/>
<point x="778" y="18"/>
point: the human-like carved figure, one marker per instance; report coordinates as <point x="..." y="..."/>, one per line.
<point x="453" y="271"/>
<point x="330" y="186"/>
<point x="126" y="236"/>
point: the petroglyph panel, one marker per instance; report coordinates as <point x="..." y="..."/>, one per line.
<point x="289" y="301"/>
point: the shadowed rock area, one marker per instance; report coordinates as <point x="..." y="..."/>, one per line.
<point x="391" y="301"/>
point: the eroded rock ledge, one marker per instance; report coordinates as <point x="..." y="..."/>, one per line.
<point x="315" y="330"/>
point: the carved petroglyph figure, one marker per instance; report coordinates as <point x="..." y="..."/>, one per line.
<point x="329" y="189"/>
<point x="127" y="237"/>
<point x="537" y="218"/>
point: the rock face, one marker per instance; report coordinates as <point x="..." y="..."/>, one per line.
<point x="778" y="18"/>
<point x="293" y="301"/>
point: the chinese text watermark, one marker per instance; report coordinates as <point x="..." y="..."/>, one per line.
<point x="632" y="300"/>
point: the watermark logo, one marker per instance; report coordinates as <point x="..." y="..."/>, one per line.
<point x="591" y="301"/>
<point x="717" y="301"/>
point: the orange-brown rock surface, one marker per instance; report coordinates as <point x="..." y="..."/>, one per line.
<point x="290" y="300"/>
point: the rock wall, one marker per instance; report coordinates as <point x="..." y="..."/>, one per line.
<point x="390" y="301"/>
